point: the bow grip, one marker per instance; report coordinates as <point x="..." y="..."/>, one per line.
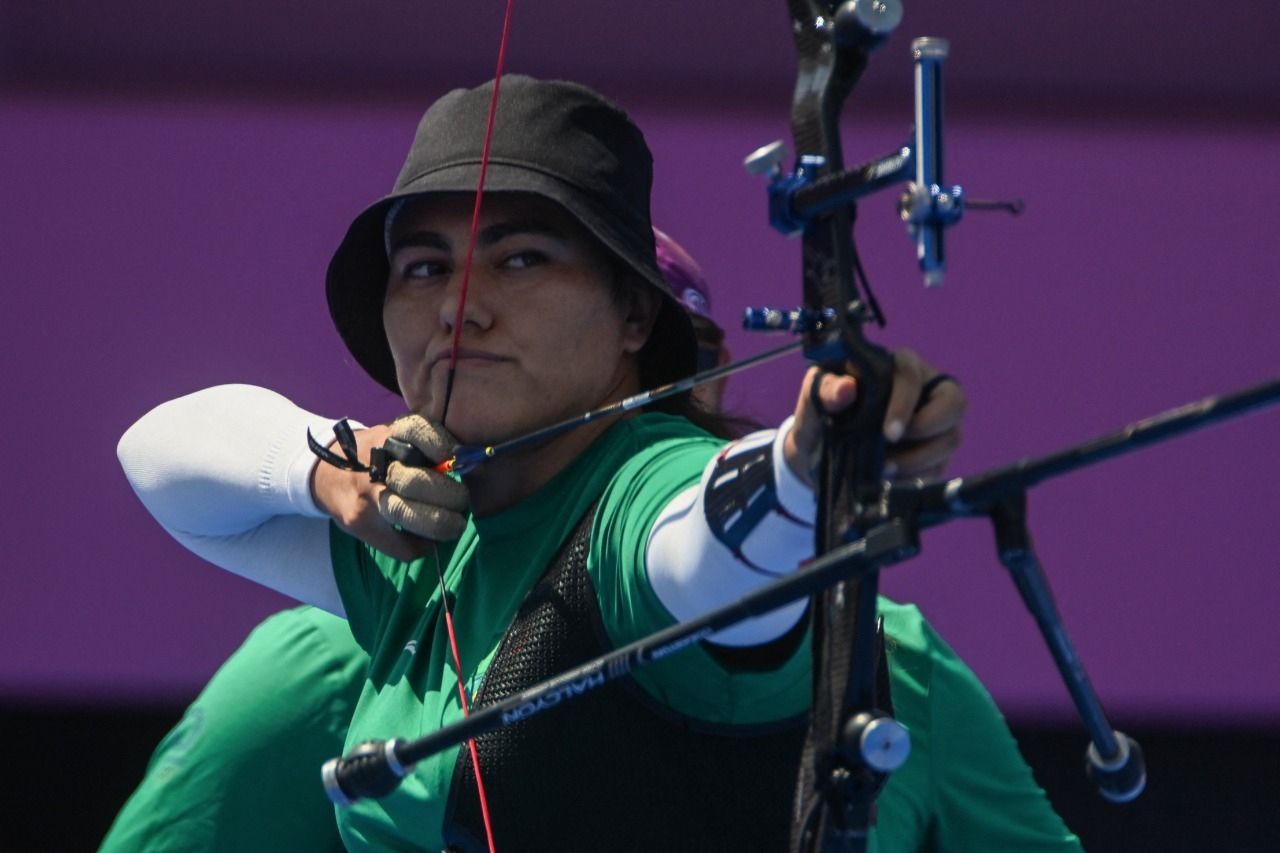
<point x="854" y="447"/>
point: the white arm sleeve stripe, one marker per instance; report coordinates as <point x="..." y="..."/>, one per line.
<point x="692" y="572"/>
<point x="226" y="471"/>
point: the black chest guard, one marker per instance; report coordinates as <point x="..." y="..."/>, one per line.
<point x="612" y="771"/>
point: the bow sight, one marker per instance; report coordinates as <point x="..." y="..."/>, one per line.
<point x="926" y="206"/>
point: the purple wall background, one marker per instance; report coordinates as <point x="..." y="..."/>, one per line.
<point x="154" y="246"/>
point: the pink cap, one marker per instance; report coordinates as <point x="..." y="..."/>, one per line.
<point x="683" y="276"/>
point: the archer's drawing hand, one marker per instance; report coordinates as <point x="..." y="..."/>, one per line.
<point x="922" y="430"/>
<point x="423" y="501"/>
<point x="376" y="513"/>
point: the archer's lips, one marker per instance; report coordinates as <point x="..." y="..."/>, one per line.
<point x="471" y="357"/>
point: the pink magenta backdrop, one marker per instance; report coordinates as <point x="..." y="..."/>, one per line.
<point x="153" y="247"/>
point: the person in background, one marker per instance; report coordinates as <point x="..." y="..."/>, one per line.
<point x="687" y="283"/>
<point x="241" y="769"/>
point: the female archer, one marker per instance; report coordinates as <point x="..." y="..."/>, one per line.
<point x="464" y="590"/>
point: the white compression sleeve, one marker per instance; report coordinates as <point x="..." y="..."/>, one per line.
<point x="693" y="572"/>
<point x="226" y="471"/>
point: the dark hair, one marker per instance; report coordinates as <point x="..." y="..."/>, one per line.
<point x="651" y="358"/>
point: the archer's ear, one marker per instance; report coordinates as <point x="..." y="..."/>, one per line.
<point x="643" y="304"/>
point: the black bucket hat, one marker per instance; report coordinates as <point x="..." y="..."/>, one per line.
<point x="557" y="140"/>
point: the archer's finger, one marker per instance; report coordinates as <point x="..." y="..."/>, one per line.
<point x="924" y="459"/>
<point x="820" y="393"/>
<point x="431" y="438"/>
<point x="941" y="409"/>
<point x="427" y="486"/>
<point x="909" y="375"/>
<point x="425" y="520"/>
<point x="836" y="391"/>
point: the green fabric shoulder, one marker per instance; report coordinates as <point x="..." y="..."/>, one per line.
<point x="965" y="785"/>
<point x="241" y="770"/>
<point x="692" y="682"/>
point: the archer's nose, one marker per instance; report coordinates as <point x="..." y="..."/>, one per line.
<point x="467" y="300"/>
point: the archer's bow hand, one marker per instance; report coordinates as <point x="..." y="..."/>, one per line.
<point x="921" y="426"/>
<point x="923" y="421"/>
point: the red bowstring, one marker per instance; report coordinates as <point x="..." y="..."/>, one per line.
<point x="475" y="214"/>
<point x="466" y="708"/>
<point x="448" y="393"/>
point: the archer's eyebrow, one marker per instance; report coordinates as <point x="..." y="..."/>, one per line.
<point x="500" y="231"/>
<point x="421" y="240"/>
<point x="488" y="236"/>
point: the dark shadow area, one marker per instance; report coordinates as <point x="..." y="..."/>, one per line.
<point x="77" y="767"/>
<point x="1208" y="789"/>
